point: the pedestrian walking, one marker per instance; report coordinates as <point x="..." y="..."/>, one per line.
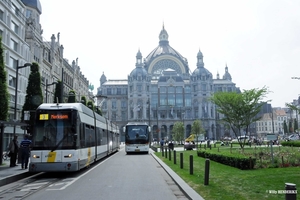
<point x="13" y="149"/>
<point x="162" y="142"/>
<point x="25" y="151"/>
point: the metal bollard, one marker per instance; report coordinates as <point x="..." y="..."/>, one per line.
<point x="206" y="172"/>
<point x="181" y="160"/>
<point x="290" y="191"/>
<point x="174" y="156"/>
<point x="166" y="153"/>
<point x="191" y="165"/>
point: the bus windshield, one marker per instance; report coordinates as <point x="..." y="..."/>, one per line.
<point x="55" y="130"/>
<point x="136" y="134"/>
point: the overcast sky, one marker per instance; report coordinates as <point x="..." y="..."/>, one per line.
<point x="259" y="40"/>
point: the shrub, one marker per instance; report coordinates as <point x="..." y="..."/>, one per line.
<point x="237" y="162"/>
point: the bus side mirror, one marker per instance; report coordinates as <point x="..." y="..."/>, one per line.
<point x="124" y="129"/>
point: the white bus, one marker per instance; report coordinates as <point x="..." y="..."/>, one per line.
<point x="137" y="137"/>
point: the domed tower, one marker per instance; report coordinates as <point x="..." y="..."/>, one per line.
<point x="102" y="79"/>
<point x="227" y="76"/>
<point x="218" y="75"/>
<point x="202" y="88"/>
<point x="201" y="74"/>
<point x="139" y="73"/>
<point x="138" y="90"/>
<point x="165" y="57"/>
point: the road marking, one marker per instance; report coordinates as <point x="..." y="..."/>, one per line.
<point x="34" y="186"/>
<point x="68" y="183"/>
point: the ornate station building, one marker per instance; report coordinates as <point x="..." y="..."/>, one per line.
<point x="162" y="90"/>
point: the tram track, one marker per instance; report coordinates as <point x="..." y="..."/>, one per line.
<point x="26" y="187"/>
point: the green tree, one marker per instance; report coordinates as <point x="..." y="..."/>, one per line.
<point x="291" y="130"/>
<point x="285" y="128"/>
<point x="98" y="110"/>
<point x="57" y="94"/>
<point x="72" y="97"/>
<point x="178" y="132"/>
<point x="90" y="105"/>
<point x="292" y="107"/>
<point x="34" y="95"/>
<point x="297" y="110"/>
<point x="197" y="129"/>
<point x="295" y="125"/>
<point x="83" y="100"/>
<point x="4" y="95"/>
<point x="240" y="109"/>
<point x="227" y="129"/>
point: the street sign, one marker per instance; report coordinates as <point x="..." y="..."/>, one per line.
<point x="271" y="137"/>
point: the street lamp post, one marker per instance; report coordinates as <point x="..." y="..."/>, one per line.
<point x="47" y="89"/>
<point x="148" y="102"/>
<point x="16" y="90"/>
<point x="157" y="129"/>
<point x="183" y="125"/>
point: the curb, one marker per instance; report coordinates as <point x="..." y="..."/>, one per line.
<point x="186" y="189"/>
<point x="14" y="178"/>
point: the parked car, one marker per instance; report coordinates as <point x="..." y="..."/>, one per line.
<point x="243" y="137"/>
<point x="189" y="146"/>
<point x="292" y="137"/>
<point x="227" y="138"/>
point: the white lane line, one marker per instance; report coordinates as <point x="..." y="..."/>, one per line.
<point x="75" y="179"/>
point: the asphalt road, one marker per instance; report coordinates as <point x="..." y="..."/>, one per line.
<point x="121" y="176"/>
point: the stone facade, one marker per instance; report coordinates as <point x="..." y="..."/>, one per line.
<point x="22" y="40"/>
<point x="162" y="90"/>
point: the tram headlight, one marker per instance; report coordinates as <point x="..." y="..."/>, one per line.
<point x="35" y="156"/>
<point x="68" y="156"/>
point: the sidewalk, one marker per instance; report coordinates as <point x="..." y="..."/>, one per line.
<point x="190" y="192"/>
<point x="11" y="174"/>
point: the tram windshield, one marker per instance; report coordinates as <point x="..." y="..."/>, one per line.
<point x="55" y="130"/>
<point x="137" y="134"/>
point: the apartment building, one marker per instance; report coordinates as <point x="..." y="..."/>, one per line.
<point x="23" y="42"/>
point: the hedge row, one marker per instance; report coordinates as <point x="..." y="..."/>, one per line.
<point x="295" y="143"/>
<point x="240" y="163"/>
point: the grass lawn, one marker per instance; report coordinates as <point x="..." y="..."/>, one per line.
<point x="229" y="183"/>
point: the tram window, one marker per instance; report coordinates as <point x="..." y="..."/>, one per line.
<point x="104" y="138"/>
<point x="87" y="136"/>
<point x="92" y="136"/>
<point x="98" y="136"/>
<point x="82" y="136"/>
<point x="68" y="140"/>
